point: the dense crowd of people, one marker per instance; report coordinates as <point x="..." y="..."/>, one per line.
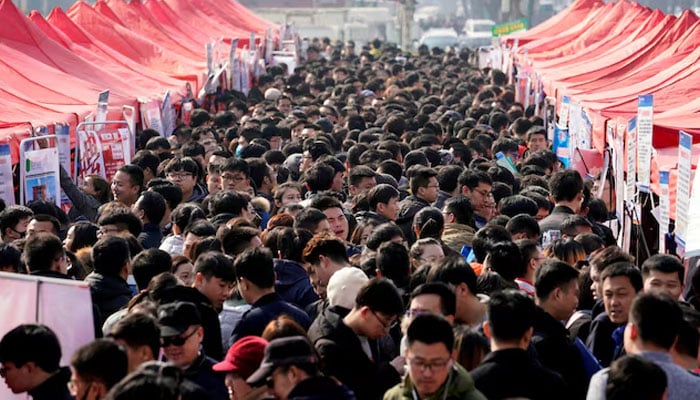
<point x="371" y="225"/>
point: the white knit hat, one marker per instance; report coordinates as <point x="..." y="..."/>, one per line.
<point x="344" y="286"/>
<point x="272" y="94"/>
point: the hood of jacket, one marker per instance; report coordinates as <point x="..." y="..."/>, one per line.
<point x="107" y="287"/>
<point x="289" y="272"/>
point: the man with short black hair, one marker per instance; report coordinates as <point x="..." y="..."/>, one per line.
<point x="523" y="226"/>
<point x="663" y="273"/>
<point x="432" y="374"/>
<point x="532" y="256"/>
<point x="509" y="327"/>
<point x="567" y="190"/>
<point x="14" y="221"/>
<point x="184" y="172"/>
<point x="456" y="272"/>
<point x="255" y="274"/>
<point x="107" y="282"/>
<point x="44" y="255"/>
<point x="424" y="191"/>
<point x="653" y="326"/>
<point x="30" y="356"/>
<point x="348" y="345"/>
<point x="140" y="335"/>
<point x="325" y="254"/>
<point x="150" y="208"/>
<point x="361" y="179"/>
<point x="43" y="223"/>
<point x="127" y="184"/>
<point x="476" y="186"/>
<point x="95" y="368"/>
<point x="313" y="220"/>
<point x="459" y="223"/>
<point x="383" y="202"/>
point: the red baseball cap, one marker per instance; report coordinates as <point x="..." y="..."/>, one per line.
<point x="244" y="356"/>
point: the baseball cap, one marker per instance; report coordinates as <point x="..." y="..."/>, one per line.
<point x="281" y="352"/>
<point x="244" y="357"/>
<point x="344" y="286"/>
<point x="175" y="318"/>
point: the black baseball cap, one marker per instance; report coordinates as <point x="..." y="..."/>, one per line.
<point x="280" y="352"/>
<point x="175" y="318"/>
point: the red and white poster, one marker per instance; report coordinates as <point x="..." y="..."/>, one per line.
<point x="90" y="154"/>
<point x="115" y="151"/>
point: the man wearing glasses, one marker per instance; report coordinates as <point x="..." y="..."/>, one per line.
<point x="476" y="186"/>
<point x="348" y="346"/>
<point x="181" y="335"/>
<point x="432" y="374"/>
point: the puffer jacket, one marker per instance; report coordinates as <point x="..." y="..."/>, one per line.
<point x="293" y="283"/>
<point x="457" y="235"/>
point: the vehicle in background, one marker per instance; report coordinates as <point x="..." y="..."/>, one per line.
<point x="440" y="37"/>
<point x="477" y="33"/>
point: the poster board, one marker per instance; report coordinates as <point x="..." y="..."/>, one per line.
<point x="39" y="176"/>
<point x="685" y="144"/>
<point x="645" y="130"/>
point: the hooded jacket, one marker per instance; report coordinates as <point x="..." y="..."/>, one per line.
<point x="458" y="386"/>
<point x="293" y="283"/>
<point x="109" y="293"/>
<point x="457" y="235"/>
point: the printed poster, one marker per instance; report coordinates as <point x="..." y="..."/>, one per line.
<point x="39" y="175"/>
<point x="115" y="151"/>
<point x="90" y="157"/>
<point x="168" y="113"/>
<point x="683" y="188"/>
<point x="560" y="146"/>
<point x="7" y="191"/>
<point x="665" y="205"/>
<point x="63" y="139"/>
<point x="153" y="117"/>
<point x="645" y="127"/>
<point x="102" y="107"/>
<point x="631" y="181"/>
<point x="564" y="112"/>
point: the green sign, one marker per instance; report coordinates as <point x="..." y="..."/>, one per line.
<point x="509" y="27"/>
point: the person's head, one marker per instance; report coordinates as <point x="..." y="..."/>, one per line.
<point x="139" y="334"/>
<point x="517" y="204"/>
<point x="98" y="187"/>
<point x="150" y="207"/>
<point x="393" y="263"/>
<point x="81" y="234"/>
<point x="432" y="297"/>
<point x="424" y="184"/>
<point x="663" y="273"/>
<point x="426" y="251"/>
<point x="384" y="200"/>
<point x="184" y="214"/>
<point x="384" y="233"/>
<point x="287" y="193"/>
<point x="242" y="359"/>
<point x="235" y="175"/>
<point x="44" y="252"/>
<point x="523" y="226"/>
<point x="154" y="380"/>
<point x="377" y="307"/>
<point x="567" y="187"/>
<point x="333" y="210"/>
<point x="111" y="257"/>
<point x="567" y="250"/>
<point x="181" y="332"/>
<point x="325" y="255"/>
<point x="282" y="326"/>
<point x="149" y="263"/>
<point x="476" y="185"/>
<point x="29" y="355"/>
<point x="599" y="261"/>
<point x="590" y="242"/>
<point x="556" y="288"/>
<point x="127" y="184"/>
<point x="456" y="272"/>
<point x="458" y="210"/>
<point x="214" y="277"/>
<point x="14" y="221"/>
<point x="510" y="318"/>
<point x="255" y="273"/>
<point x="11" y="259"/>
<point x="532" y="257"/>
<point x="286" y="362"/>
<point x="43" y="223"/>
<point x="361" y="179"/>
<point x="536" y="138"/>
<point x="635" y="377"/>
<point x="195" y="232"/>
<point x="505" y="259"/>
<point x="312" y="220"/>
<point x="654" y="323"/>
<point x="575" y="225"/>
<point x="96" y="367"/>
<point x="429" y="353"/>
<point x="621" y="283"/>
<point x="117" y="221"/>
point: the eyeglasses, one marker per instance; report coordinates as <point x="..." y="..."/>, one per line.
<point x="434" y="365"/>
<point x="234" y="178"/>
<point x="434" y="186"/>
<point x="176" y="340"/>
<point x="483" y="193"/>
<point x="389" y="325"/>
<point x="179" y="175"/>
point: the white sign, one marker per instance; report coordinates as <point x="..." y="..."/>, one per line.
<point x="683" y="187"/>
<point x="564" y="112"/>
<point x="168" y="113"/>
<point x="631" y="141"/>
<point x="90" y="156"/>
<point x="7" y="192"/>
<point x="620" y="170"/>
<point x="645" y="128"/>
<point x="63" y="137"/>
<point x="102" y="106"/>
<point x="665" y="205"/>
<point x="692" y="236"/>
<point x="39" y="175"/>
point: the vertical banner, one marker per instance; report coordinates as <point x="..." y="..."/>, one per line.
<point x="209" y="50"/>
<point x="90" y="157"/>
<point x="560" y="146"/>
<point x="7" y="191"/>
<point x="39" y="175"/>
<point x="645" y="128"/>
<point x="63" y="138"/>
<point x="692" y="233"/>
<point x="187" y="108"/>
<point x="233" y="66"/>
<point x="619" y="171"/>
<point x="685" y="144"/>
<point x="665" y="211"/>
<point x="168" y="113"/>
<point x="129" y="114"/>
<point x="564" y="112"/>
<point x="102" y="106"/>
<point x="115" y="151"/>
<point x="550" y="116"/>
<point x="631" y="181"/>
<point x="153" y="118"/>
<point x="574" y="125"/>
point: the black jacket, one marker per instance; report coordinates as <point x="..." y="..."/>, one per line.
<point x="600" y="340"/>
<point x="342" y="357"/>
<point x="526" y="377"/>
<point x="554" y="220"/>
<point x="293" y="283"/>
<point x="202" y="374"/>
<point x="150" y="237"/>
<point x="83" y="204"/>
<point x="54" y="388"/>
<point x="266" y="309"/>
<point x="408" y="208"/>
<point x="558" y="352"/>
<point x="363" y="216"/>
<point x="320" y="388"/>
<point x="109" y="293"/>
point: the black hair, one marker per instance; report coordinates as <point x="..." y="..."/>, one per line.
<point x="472" y="178"/>
<point x="380" y="295"/>
<point x="448" y="299"/>
<point x="565" y="185"/>
<point x="506" y="260"/>
<point x="40" y="250"/>
<point x="148" y="264"/>
<point x="10" y="217"/>
<point x="523" y="223"/>
<point x="123" y="218"/>
<point x="393" y="262"/>
<point x="235" y="164"/>
<point x="138" y="329"/>
<point x="215" y="264"/>
<point x="238" y="238"/>
<point x="430" y="329"/>
<point x="11" y="256"/>
<point x="461" y="208"/>
<point x="324" y="202"/>
<point x="135" y="174"/>
<point x="153" y="206"/>
<point x="658" y="319"/>
<point x="429" y="222"/>
<point x="147" y="383"/>
<point x="256" y="265"/>
<point x="553" y="274"/>
<point x="607" y="256"/>
<point x="487" y="237"/>
<point x="454" y="271"/>
<point x="147" y="159"/>
<point x="110" y="255"/>
<point x="319" y="177"/>
<point x="665" y="263"/>
<point x="31" y="342"/>
<point x="327" y="245"/>
<point x="624" y="269"/>
<point x="101" y="360"/>
<point x="420" y="177"/>
<point x="571" y="223"/>
<point x="170" y="192"/>
<point x="517" y="204"/>
<point x="634" y="377"/>
<point x="229" y="202"/>
<point x="590" y="242"/>
<point x="186" y="213"/>
<point x="287" y="242"/>
<point x="309" y="218"/>
<point x="201" y="228"/>
<point x="510" y="314"/>
<point x="383" y="233"/>
<point x="382" y="193"/>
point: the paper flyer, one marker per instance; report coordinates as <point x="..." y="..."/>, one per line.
<point x="631" y="181"/>
<point x="564" y="112"/>
<point x="168" y="113"/>
<point x="39" y="175"/>
<point x="665" y="205"/>
<point x="153" y="118"/>
<point x="90" y="154"/>
<point x="63" y="138"/>
<point x="102" y="107"/>
<point x="645" y="127"/>
<point x="7" y="191"/>
<point x="115" y="152"/>
<point x="685" y="144"/>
